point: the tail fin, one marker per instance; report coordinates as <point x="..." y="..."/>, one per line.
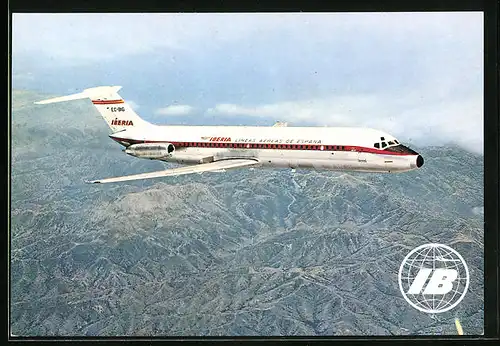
<point x="114" y="110"/>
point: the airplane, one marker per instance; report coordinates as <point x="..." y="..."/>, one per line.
<point x="218" y="148"/>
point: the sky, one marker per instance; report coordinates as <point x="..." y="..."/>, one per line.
<point x="418" y="76"/>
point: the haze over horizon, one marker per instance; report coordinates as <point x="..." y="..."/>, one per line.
<point x="418" y="76"/>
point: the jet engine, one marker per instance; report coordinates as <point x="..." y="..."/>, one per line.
<point x="151" y="150"/>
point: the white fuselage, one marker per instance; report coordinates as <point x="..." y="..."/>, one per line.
<point x="330" y="148"/>
<point x="216" y="148"/>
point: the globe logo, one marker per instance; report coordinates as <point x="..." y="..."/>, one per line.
<point x="433" y="278"/>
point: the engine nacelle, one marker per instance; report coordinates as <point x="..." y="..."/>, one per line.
<point x="151" y="150"/>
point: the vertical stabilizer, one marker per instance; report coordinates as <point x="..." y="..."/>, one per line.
<point x="115" y="111"/>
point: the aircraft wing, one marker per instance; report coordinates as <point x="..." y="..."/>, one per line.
<point x="204" y="167"/>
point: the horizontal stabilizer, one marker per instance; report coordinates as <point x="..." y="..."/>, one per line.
<point x="216" y="166"/>
<point x="62" y="99"/>
<point x="97" y="92"/>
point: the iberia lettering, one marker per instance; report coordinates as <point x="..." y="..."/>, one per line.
<point x="220" y="139"/>
<point x="116" y="121"/>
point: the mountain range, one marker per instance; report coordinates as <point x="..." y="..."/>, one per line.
<point x="245" y="252"/>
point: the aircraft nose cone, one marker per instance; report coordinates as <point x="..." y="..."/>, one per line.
<point x="420" y="161"/>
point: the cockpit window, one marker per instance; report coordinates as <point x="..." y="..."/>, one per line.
<point x="396" y="141"/>
<point x="401" y="149"/>
<point x="390" y="142"/>
<point x="382" y="138"/>
<point x="384" y="144"/>
<point x="377" y="145"/>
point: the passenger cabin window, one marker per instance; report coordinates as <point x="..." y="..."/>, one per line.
<point x="384" y="144"/>
<point x="377" y="145"/>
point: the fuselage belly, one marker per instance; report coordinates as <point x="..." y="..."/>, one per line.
<point x="302" y="159"/>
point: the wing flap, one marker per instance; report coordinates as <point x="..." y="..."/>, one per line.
<point x="204" y="167"/>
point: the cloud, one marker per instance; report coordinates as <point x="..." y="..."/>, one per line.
<point x="416" y="75"/>
<point x="132" y="104"/>
<point x="78" y="37"/>
<point x="82" y="37"/>
<point x="421" y="119"/>
<point x="75" y="38"/>
<point x="271" y="110"/>
<point x="175" y="110"/>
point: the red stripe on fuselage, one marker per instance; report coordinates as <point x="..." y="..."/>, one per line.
<point x="106" y="102"/>
<point x="265" y="146"/>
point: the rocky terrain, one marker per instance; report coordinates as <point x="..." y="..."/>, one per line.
<point x="246" y="252"/>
